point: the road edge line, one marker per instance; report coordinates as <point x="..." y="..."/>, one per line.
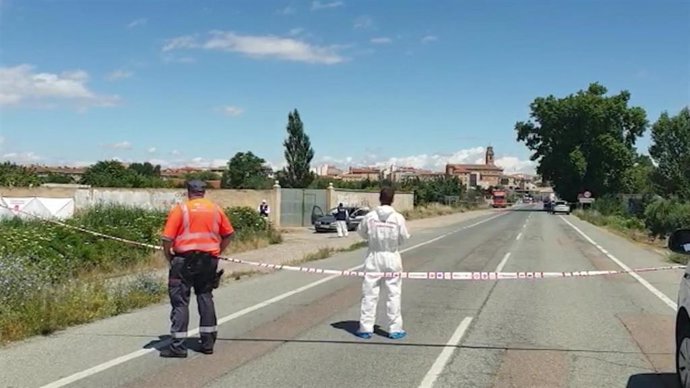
<point x="663" y="297"/>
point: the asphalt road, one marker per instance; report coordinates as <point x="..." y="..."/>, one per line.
<point x="292" y="329"/>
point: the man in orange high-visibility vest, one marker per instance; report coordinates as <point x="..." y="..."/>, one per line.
<point x="196" y="232"/>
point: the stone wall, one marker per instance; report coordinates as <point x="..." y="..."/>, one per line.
<point x="402" y="201"/>
<point x="163" y="199"/>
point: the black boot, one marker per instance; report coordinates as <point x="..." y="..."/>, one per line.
<point x="169" y="353"/>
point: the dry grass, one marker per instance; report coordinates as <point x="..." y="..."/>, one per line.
<point x="629" y="228"/>
<point x="678" y="258"/>
<point x="42" y="312"/>
<point x="431" y="210"/>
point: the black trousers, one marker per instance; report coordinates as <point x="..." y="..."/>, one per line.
<point x="192" y="270"/>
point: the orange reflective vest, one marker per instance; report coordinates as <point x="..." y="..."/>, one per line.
<point x="197" y="225"/>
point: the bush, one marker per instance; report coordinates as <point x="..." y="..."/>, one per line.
<point x="246" y="220"/>
<point x="609" y="205"/>
<point x="43" y="266"/>
<point x="663" y="216"/>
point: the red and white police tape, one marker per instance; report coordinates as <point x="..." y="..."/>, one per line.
<point x="404" y="275"/>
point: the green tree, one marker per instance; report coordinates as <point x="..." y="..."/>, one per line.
<point x="146" y="169"/>
<point x="111" y="173"/>
<point x="671" y="150"/>
<point x="13" y="175"/>
<point x="107" y="173"/>
<point x="202" y="175"/>
<point x="246" y="171"/>
<point x="584" y="141"/>
<point x="57" y="178"/>
<point x="639" y="176"/>
<point x="298" y="154"/>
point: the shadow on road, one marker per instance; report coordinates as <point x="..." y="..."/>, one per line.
<point x="653" y="380"/>
<point x="352" y="327"/>
<point x="192" y="343"/>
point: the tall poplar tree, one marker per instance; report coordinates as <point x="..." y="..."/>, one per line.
<point x="298" y="155"/>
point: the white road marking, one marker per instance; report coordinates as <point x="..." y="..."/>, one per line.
<point x="519" y="236"/>
<point x="637" y="277"/>
<point x="503" y="262"/>
<point x="442" y="360"/>
<point x="131" y="356"/>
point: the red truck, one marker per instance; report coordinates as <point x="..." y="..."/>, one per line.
<point x="499" y="199"/>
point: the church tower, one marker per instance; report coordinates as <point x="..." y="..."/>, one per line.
<point x="489" y="158"/>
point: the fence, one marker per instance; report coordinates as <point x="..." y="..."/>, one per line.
<point x="289" y="207"/>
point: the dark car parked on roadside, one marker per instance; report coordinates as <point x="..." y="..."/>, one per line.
<point x="326" y="222"/>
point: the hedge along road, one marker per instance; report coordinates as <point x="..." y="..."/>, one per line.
<point x="294" y="329"/>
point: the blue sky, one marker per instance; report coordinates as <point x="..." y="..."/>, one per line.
<point x="194" y="82"/>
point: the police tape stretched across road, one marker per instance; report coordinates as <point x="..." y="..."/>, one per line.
<point x="426" y="275"/>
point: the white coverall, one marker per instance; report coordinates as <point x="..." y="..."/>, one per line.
<point x="385" y="231"/>
<point x="341" y="225"/>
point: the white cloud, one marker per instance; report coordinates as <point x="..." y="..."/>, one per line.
<point x="296" y="31"/>
<point x="317" y="5"/>
<point x="175" y="153"/>
<point x="437" y="162"/>
<point x="512" y="164"/>
<point x="288" y="10"/>
<point x="20" y="84"/>
<point x="363" y="22"/>
<point x="232" y="110"/>
<point x="181" y="42"/>
<point x="176" y="59"/>
<point x="137" y="23"/>
<point x="381" y="40"/>
<point x="259" y="47"/>
<point x="152" y="150"/>
<point x="22" y="157"/>
<point x="429" y="39"/>
<point x="123" y="145"/>
<point x="118" y="75"/>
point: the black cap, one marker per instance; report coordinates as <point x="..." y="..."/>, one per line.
<point x="196" y="186"/>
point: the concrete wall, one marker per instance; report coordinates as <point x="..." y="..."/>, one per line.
<point x="402" y="201"/>
<point x="163" y="199"/>
<point x="160" y="199"/>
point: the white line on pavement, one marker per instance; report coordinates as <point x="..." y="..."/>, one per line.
<point x="637" y="277"/>
<point x="442" y="360"/>
<point x="518" y="236"/>
<point x="502" y="263"/>
<point x="131" y="356"/>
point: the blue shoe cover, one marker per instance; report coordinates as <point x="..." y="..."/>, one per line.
<point x="363" y="335"/>
<point x="397" y="335"/>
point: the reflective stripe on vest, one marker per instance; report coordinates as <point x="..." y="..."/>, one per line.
<point x="185" y="241"/>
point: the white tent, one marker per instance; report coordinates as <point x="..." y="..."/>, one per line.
<point x="41" y="207"/>
<point x="60" y="208"/>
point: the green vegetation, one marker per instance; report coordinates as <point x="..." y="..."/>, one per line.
<point x="114" y="174"/>
<point x="53" y="277"/>
<point x="585" y="142"/>
<point x="246" y="171"/>
<point x="298" y="155"/>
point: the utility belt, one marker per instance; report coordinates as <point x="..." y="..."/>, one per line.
<point x="202" y="265"/>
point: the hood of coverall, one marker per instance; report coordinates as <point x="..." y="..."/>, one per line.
<point x="384" y="211"/>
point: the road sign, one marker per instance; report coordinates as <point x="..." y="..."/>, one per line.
<point x="587" y="194"/>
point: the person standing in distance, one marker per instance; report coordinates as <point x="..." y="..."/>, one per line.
<point x="341" y="220"/>
<point x="196" y="232"/>
<point x="385" y="230"/>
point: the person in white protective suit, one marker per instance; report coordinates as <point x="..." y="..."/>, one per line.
<point x="385" y="230"/>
